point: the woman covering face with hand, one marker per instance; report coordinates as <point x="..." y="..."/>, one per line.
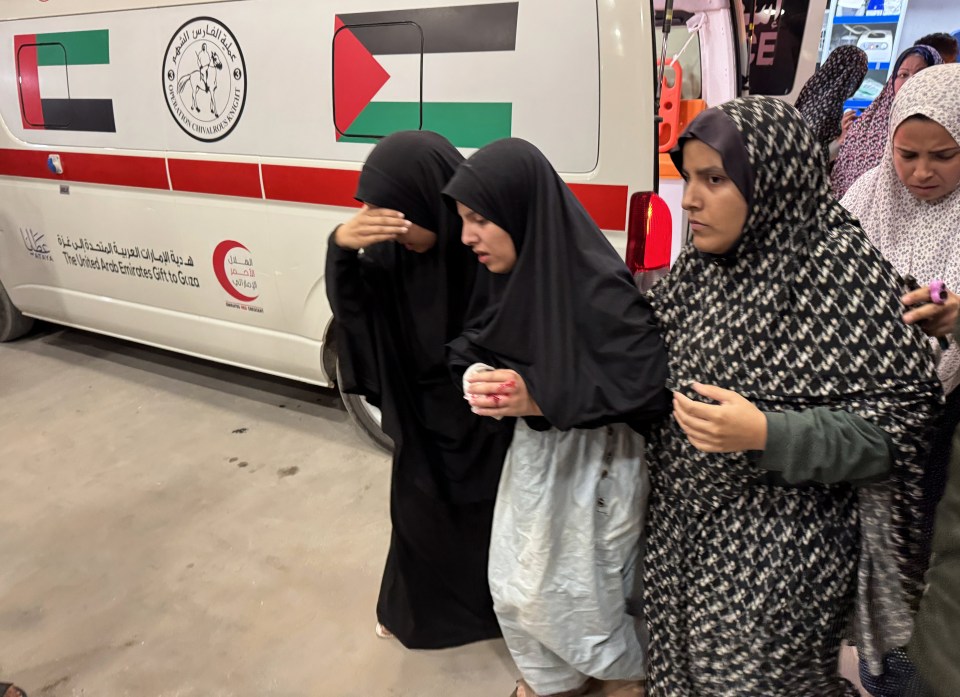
<point x="569" y="344"/>
<point x="795" y="378"/>
<point x="398" y="281"/>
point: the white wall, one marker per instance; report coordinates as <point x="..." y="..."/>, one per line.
<point x="927" y="17"/>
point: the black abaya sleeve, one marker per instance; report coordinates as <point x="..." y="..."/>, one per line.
<point x="354" y="329"/>
<point x="462" y="353"/>
<point x="656" y="401"/>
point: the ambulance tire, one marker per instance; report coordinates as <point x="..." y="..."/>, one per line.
<point x="365" y="416"/>
<point x="13" y="324"/>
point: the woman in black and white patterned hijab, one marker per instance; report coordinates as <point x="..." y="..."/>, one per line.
<point x="822" y="97"/>
<point x="802" y="401"/>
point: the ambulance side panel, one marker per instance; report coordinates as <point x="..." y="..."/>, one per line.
<point x="201" y="173"/>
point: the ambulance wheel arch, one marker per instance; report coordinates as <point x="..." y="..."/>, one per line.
<point x="367" y="417"/>
<point x="13" y="323"/>
<point x="364" y="415"/>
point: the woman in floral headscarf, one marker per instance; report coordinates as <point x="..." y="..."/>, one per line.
<point x="862" y="147"/>
<point x="909" y="206"/>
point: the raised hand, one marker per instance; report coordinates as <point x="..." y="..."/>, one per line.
<point x="370" y="226"/>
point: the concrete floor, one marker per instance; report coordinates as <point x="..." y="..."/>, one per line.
<point x="174" y="528"/>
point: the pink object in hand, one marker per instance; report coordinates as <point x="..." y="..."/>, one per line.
<point x="938" y="292"/>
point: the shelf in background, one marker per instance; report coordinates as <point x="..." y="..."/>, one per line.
<point x="858" y="104"/>
<point x="874" y="19"/>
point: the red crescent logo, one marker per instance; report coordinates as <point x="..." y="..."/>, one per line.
<point x="219" y="268"/>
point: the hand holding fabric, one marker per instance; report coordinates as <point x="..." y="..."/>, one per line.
<point x="933" y="319"/>
<point x="500" y="393"/>
<point x="370" y="226"/>
<point x="845" y="123"/>
<point x="732" y="425"/>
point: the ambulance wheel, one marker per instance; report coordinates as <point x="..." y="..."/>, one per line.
<point x="366" y="416"/>
<point x="13" y="324"/>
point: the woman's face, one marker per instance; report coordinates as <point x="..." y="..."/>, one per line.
<point x="926" y="158"/>
<point x="493" y="245"/>
<point x="716" y="209"/>
<point x="911" y="65"/>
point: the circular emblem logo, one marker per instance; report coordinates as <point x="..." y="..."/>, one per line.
<point x="205" y="79"/>
<point x="233" y="266"/>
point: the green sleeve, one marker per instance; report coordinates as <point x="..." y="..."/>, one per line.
<point x="934" y="647"/>
<point x="825" y="446"/>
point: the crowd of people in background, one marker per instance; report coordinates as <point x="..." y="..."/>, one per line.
<point x="705" y="489"/>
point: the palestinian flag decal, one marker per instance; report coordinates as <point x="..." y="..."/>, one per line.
<point x="53" y="70"/>
<point x="358" y="76"/>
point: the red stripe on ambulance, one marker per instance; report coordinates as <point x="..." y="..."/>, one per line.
<point x="606" y="203"/>
<point x="113" y="170"/>
<point x="328" y="187"/>
<point x="217" y="178"/>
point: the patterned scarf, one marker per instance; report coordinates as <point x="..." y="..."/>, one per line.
<point x="919" y="238"/>
<point x="805" y="314"/>
<point x="821" y="99"/>
<point x="863" y="146"/>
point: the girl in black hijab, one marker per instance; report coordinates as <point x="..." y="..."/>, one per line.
<point x="568" y="343"/>
<point x="795" y="378"/>
<point x="398" y="280"/>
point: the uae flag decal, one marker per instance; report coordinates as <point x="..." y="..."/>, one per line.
<point x="57" y="74"/>
<point x="388" y="74"/>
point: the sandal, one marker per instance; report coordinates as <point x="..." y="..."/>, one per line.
<point x="589" y="685"/>
<point x="6" y="687"/>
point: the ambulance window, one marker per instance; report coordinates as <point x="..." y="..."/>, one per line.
<point x="377" y="80"/>
<point x="692" y="87"/>
<point x="43" y="85"/>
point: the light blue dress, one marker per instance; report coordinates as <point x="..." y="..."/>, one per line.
<point x="565" y="553"/>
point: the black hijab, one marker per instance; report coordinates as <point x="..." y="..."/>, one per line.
<point x="822" y="97"/>
<point x="715" y="129"/>
<point x="568" y="316"/>
<point x="395" y="314"/>
<point x="406" y="172"/>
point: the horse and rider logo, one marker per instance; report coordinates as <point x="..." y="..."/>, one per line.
<point x="201" y="81"/>
<point x="205" y="79"/>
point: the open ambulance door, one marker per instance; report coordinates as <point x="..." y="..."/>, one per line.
<point x="704" y="64"/>
<point x="716" y="50"/>
<point x="784" y="43"/>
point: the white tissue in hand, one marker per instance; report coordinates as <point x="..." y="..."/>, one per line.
<point x="475" y="369"/>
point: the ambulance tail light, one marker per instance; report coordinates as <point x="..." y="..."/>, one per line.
<point x="649" y="234"/>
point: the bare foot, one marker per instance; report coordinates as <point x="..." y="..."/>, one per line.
<point x="624" y="688"/>
<point x="383" y="632"/>
<point x="524" y="690"/>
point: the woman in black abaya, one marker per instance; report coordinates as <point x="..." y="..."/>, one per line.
<point x="398" y="280"/>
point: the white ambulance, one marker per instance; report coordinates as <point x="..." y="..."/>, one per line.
<point x="170" y="170"/>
